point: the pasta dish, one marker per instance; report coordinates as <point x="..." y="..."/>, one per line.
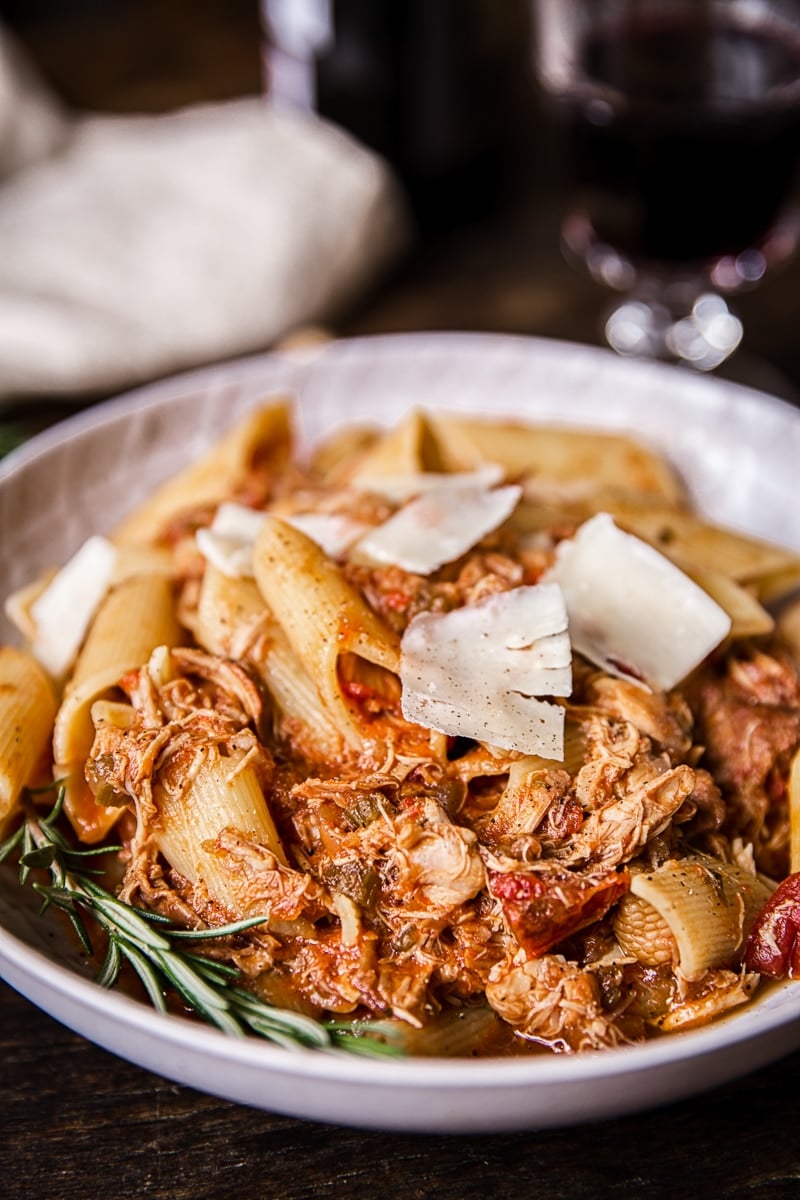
<point x="494" y="738"/>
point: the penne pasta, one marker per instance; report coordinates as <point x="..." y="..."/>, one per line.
<point x="230" y="614"/>
<point x="19" y="604"/>
<point x="27" y="710"/>
<point x="412" y="447"/>
<point x="325" y="620"/>
<point x="334" y="461"/>
<point x="569" y="462"/>
<point x="794" y="814"/>
<point x="698" y="545"/>
<point x="232" y="619"/>
<point x="259" y="443"/>
<point x="453" y="1033"/>
<point x="788" y="622"/>
<point x="135" y="617"/>
<point x="748" y="617"/>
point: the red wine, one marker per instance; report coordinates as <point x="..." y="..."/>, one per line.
<point x="429" y="84"/>
<point x="684" y="135"/>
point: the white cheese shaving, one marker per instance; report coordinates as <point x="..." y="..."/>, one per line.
<point x="477" y="671"/>
<point x="228" y="541"/>
<point x="237" y="521"/>
<point x="402" y="487"/>
<point x="631" y="610"/>
<point x="334" y="533"/>
<point x="231" y="556"/>
<point x="64" y="610"/>
<point x="438" y="527"/>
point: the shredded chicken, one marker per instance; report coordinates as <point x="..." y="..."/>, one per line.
<point x="552" y="1001"/>
<point x="748" y="721"/>
<point x="665" y="719"/>
<point x="405" y="889"/>
<point x="644" y="803"/>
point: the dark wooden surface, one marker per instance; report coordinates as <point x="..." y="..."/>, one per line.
<point x="77" y="1122"/>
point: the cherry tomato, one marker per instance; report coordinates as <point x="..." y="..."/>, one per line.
<point x="773" y="945"/>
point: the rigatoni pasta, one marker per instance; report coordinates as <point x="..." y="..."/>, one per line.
<point x="375" y="698"/>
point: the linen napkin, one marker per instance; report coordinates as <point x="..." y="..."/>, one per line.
<point x="132" y="247"/>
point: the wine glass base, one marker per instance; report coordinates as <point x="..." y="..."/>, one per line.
<point x="702" y="337"/>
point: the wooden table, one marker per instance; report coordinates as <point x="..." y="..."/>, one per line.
<point x="79" y="1123"/>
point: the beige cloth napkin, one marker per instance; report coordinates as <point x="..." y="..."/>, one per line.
<point x="134" y="247"/>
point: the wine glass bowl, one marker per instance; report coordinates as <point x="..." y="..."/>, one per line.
<point x="679" y="125"/>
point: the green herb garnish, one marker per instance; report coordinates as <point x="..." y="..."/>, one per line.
<point x="155" y="949"/>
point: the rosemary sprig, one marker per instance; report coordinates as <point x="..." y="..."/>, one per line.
<point x="155" y="951"/>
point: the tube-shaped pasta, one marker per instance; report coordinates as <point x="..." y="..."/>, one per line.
<point x="18" y="605"/>
<point x="264" y="434"/>
<point x="223" y="793"/>
<point x="455" y="1032"/>
<point x="695" y="911"/>
<point x="230" y="614"/>
<point x="695" y="543"/>
<point x="748" y="617"/>
<point x="408" y="448"/>
<point x="322" y="615"/>
<point x="788" y="621"/>
<point x="793" y="788"/>
<point x="492" y="761"/>
<point x="27" y="710"/>
<point x="233" y="620"/>
<point x="554" y="458"/>
<point x="133" y="619"/>
<point x="336" y="459"/>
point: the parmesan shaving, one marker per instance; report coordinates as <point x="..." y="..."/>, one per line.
<point x="478" y="671"/>
<point x="63" y="612"/>
<point x="631" y="610"/>
<point x="228" y="541"/>
<point x="402" y="487"/>
<point x="334" y="533"/>
<point x="237" y="521"/>
<point x="229" y="555"/>
<point x="438" y="527"/>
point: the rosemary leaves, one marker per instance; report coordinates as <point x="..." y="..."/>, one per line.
<point x="159" y="953"/>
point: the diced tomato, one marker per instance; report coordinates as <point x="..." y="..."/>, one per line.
<point x="543" y="908"/>
<point x="396" y="601"/>
<point x="773" y="945"/>
<point x="357" y="690"/>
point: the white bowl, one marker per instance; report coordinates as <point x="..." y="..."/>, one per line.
<point x="739" y="451"/>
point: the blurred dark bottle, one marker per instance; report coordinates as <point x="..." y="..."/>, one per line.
<point x="432" y="85"/>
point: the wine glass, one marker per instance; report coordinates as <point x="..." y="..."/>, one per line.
<point x="679" y="122"/>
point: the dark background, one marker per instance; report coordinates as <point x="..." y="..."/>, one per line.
<point x="489" y="259"/>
